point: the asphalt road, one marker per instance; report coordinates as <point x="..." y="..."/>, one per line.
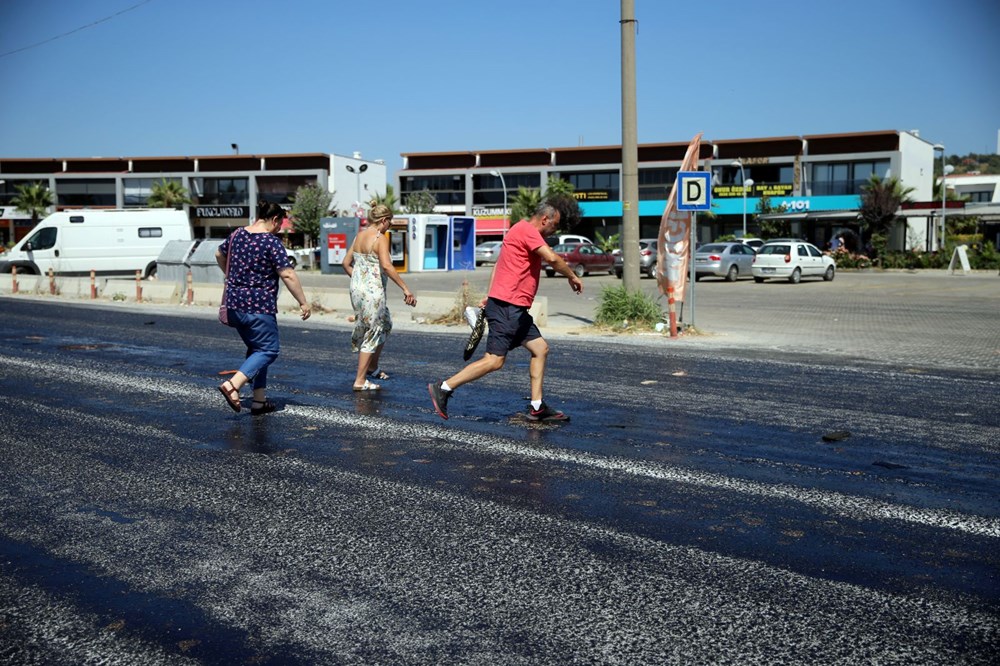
<point x="691" y="511"/>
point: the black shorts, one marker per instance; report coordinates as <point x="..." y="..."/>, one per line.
<point x="510" y="327"/>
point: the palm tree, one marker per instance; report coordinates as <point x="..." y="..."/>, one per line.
<point x="167" y="194"/>
<point x="526" y="200"/>
<point x="523" y="204"/>
<point x="880" y="200"/>
<point x="387" y="199"/>
<point x="33" y="199"/>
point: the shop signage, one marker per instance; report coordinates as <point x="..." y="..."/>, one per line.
<point x="222" y="211"/>
<point x="755" y="190"/>
<point x="483" y="211"/>
<point x="592" y="195"/>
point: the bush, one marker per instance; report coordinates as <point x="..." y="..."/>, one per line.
<point x="845" y="259"/>
<point x="466" y="296"/>
<point x="982" y="256"/>
<point x="619" y="307"/>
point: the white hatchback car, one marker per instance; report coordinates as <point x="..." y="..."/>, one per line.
<point x="791" y="260"/>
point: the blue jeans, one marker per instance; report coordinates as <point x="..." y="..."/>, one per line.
<point x="260" y="334"/>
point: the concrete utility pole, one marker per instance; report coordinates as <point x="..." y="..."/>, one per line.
<point x="630" y="153"/>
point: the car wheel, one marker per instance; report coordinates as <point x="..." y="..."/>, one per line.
<point x="579" y="270"/>
<point x="618" y="274"/>
<point x="734" y="272"/>
<point x="292" y="261"/>
<point x="758" y="280"/>
<point x="651" y="271"/>
<point x="697" y="278"/>
<point x="829" y="273"/>
<point x="549" y="272"/>
<point x="796" y="276"/>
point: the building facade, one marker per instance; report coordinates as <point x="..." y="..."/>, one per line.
<point x="224" y="189"/>
<point x="815" y="180"/>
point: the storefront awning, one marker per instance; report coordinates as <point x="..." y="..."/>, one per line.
<point x="819" y="215"/>
<point x="490" y="226"/>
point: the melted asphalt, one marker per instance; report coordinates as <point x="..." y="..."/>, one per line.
<point x="691" y="512"/>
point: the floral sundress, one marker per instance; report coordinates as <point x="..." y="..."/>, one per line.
<point x="372" y="321"/>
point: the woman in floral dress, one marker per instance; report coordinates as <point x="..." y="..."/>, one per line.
<point x="369" y="264"/>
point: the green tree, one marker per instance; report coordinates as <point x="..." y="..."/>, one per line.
<point x="421" y="202"/>
<point x="556" y="186"/>
<point x="880" y="200"/>
<point x="771" y="228"/>
<point x="310" y="203"/>
<point x="388" y="199"/>
<point x="526" y="200"/>
<point x="524" y="203"/>
<point x="167" y="194"/>
<point x="35" y="199"/>
<point x="608" y="244"/>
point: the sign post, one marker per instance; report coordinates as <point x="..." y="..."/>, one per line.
<point x="694" y="193"/>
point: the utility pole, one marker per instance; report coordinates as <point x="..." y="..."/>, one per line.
<point x="630" y="153"/>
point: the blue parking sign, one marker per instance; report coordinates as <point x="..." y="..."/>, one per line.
<point x="694" y="190"/>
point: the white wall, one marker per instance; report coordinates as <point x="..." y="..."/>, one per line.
<point x="917" y="166"/>
<point x="350" y="188"/>
<point x="963" y="184"/>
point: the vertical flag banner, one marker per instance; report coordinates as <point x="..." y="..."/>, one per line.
<point x="673" y="248"/>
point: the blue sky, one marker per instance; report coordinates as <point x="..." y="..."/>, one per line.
<point x="190" y="77"/>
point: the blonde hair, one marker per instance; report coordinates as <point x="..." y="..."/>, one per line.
<point x="378" y="212"/>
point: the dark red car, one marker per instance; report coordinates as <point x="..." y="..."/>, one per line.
<point x="583" y="258"/>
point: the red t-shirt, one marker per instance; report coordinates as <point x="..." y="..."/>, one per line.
<point x="515" y="276"/>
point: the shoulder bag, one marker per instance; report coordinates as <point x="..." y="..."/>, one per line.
<point x="223" y="310"/>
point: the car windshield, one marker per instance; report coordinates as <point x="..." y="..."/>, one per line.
<point x="565" y="247"/>
<point x="709" y="249"/>
<point x="774" y="249"/>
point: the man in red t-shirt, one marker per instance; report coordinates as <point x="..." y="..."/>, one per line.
<point x="513" y="286"/>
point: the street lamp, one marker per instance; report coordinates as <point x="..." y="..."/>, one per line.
<point x="746" y="183"/>
<point x="357" y="172"/>
<point x="236" y="148"/>
<point x="945" y="170"/>
<point x="503" y="184"/>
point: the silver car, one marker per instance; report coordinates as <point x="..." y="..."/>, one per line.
<point x="725" y="260"/>
<point x="487" y="253"/>
<point x="647" y="258"/>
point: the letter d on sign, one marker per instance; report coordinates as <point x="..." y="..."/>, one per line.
<point x="694" y="193"/>
<point x="694" y="190"/>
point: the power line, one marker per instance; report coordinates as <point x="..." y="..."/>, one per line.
<point x="66" y="34"/>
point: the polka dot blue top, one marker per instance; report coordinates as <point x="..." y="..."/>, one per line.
<point x="252" y="286"/>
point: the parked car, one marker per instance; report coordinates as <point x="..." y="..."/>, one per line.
<point x="487" y="253"/>
<point x="791" y="260"/>
<point x="755" y="243"/>
<point x="726" y="260"/>
<point x="567" y="239"/>
<point x="583" y="258"/>
<point x="647" y="259"/>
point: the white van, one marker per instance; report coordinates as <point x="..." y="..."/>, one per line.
<point x="568" y="239"/>
<point x="74" y="242"/>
